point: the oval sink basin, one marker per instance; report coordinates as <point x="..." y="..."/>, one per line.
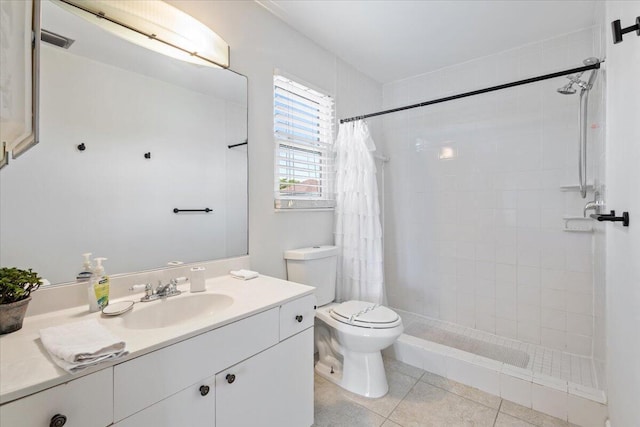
<point x="175" y="310"/>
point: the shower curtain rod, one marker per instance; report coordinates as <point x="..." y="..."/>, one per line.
<point x="478" y="92"/>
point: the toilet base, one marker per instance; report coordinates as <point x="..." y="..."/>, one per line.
<point x="362" y="373"/>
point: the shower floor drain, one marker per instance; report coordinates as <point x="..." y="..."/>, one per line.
<point x="497" y="352"/>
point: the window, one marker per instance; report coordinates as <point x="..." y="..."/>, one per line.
<point x="303" y="135"/>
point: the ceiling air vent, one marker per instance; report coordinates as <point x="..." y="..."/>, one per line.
<point x="56" y="39"/>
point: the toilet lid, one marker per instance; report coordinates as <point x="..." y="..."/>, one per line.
<point x="365" y="314"/>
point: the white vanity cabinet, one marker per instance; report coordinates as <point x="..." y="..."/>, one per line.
<point x="153" y="377"/>
<point x="84" y="402"/>
<point x="274" y="388"/>
<point x="253" y="372"/>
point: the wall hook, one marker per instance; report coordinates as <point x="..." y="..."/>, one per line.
<point x="147" y="155"/>
<point x="81" y="147"/>
<point x="618" y="31"/>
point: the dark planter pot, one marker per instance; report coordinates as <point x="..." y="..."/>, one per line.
<point x="12" y="315"/>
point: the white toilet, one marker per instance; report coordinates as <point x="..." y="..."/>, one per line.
<point x="348" y="336"/>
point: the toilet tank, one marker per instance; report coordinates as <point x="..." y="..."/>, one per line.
<point x="315" y="266"/>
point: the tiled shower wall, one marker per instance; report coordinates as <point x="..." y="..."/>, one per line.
<point x="597" y="151"/>
<point x="474" y="210"/>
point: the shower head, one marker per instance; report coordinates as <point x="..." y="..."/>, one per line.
<point x="567" y="89"/>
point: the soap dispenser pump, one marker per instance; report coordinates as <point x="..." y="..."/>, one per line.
<point x="87" y="269"/>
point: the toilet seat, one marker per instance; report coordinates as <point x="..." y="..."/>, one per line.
<point x="365" y="315"/>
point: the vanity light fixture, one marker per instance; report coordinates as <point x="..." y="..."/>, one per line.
<point x="155" y="25"/>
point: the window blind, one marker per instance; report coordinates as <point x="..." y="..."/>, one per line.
<point x="303" y="135"/>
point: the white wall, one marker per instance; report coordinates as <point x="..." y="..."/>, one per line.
<point x="260" y="43"/>
<point x="477" y="239"/>
<point x="58" y="202"/>
<point x="237" y="238"/>
<point x="597" y="151"/>
<point x="623" y="244"/>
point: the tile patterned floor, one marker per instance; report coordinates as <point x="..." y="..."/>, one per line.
<point x="420" y="399"/>
<point x="543" y="360"/>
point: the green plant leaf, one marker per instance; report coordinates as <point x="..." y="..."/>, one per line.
<point x="17" y="284"/>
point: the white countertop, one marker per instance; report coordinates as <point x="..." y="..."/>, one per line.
<point x="26" y="368"/>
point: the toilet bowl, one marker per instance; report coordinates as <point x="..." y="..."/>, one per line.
<point x="349" y="345"/>
<point x="349" y="336"/>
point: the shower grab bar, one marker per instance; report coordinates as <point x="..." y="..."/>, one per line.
<point x="238" y="145"/>
<point x="205" y="210"/>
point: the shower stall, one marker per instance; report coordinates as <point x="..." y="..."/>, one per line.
<point x="488" y="257"/>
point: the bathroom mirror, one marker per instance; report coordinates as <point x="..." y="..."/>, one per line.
<point x="127" y="135"/>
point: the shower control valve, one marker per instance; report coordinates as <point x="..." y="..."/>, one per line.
<point x="596" y="205"/>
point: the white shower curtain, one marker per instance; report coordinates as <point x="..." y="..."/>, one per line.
<point x="358" y="232"/>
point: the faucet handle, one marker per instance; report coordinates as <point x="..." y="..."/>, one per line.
<point x="148" y="289"/>
<point x="161" y="288"/>
<point x="176" y="281"/>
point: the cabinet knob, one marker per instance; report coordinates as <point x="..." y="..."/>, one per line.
<point x="299" y="318"/>
<point x="58" y="420"/>
<point x="230" y="378"/>
<point x="204" y="390"/>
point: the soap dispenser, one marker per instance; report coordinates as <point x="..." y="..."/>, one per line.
<point x="87" y="269"/>
<point x="98" y="291"/>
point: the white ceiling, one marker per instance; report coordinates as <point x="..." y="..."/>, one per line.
<point x="391" y="40"/>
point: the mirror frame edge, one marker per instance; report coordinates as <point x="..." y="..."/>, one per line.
<point x="26" y="144"/>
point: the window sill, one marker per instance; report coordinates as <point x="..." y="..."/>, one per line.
<point x="303" y="204"/>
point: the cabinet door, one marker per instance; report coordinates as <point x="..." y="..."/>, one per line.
<point x="192" y="407"/>
<point x="145" y="380"/>
<point x="272" y="389"/>
<point x="85" y="402"/>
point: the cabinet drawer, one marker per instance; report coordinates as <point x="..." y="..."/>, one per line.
<point x="86" y="402"/>
<point x="190" y="407"/>
<point x="148" y="379"/>
<point x="297" y="315"/>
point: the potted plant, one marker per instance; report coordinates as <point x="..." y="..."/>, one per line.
<point x="15" y="293"/>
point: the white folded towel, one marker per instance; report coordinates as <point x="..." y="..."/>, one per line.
<point x="76" y="346"/>
<point x="243" y="274"/>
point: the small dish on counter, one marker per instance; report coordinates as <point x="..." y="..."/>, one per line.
<point x="117" y="308"/>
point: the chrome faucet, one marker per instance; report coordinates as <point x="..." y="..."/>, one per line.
<point x="595" y="205"/>
<point x="162" y="291"/>
<point x="165" y="290"/>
